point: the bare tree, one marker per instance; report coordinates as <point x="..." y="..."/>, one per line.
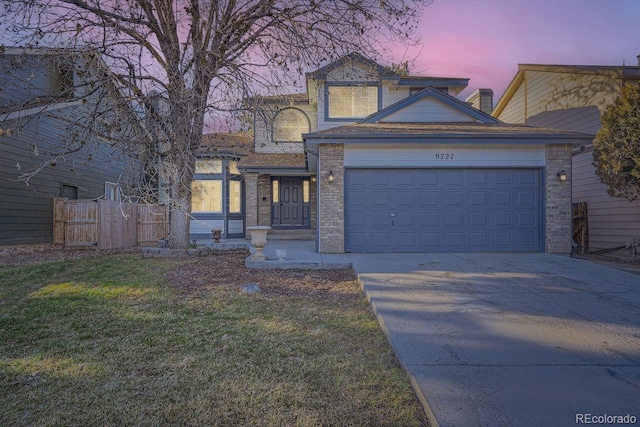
<point x="203" y="57"/>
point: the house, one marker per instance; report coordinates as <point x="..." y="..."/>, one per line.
<point x="573" y="97"/>
<point x="58" y="138"/>
<point x="373" y="160"/>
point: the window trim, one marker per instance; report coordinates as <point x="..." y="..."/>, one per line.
<point x="112" y="191"/>
<point x="221" y="199"/>
<point x="273" y="127"/>
<point x="327" y="87"/>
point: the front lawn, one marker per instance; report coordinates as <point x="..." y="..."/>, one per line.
<point x="121" y="340"/>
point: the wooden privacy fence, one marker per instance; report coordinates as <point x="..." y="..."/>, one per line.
<point x="107" y="224"/>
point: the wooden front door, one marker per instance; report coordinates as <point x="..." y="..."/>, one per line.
<point x="288" y="206"/>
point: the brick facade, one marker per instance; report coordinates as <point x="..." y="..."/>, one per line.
<point x="264" y="200"/>
<point x="557" y="195"/>
<point x="251" y="201"/>
<point x="331" y="200"/>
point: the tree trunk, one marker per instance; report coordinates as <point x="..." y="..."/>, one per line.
<point x="179" y="222"/>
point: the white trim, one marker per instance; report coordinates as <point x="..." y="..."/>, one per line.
<point x="37" y="110"/>
<point x="443" y="155"/>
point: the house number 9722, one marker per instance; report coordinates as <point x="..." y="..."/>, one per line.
<point x="444" y="156"/>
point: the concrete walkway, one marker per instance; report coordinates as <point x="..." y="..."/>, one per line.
<point x="510" y="339"/>
<point x="300" y="254"/>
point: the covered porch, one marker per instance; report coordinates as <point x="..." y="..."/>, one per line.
<point x="280" y="193"/>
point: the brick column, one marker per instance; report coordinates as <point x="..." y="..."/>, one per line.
<point x="557" y="199"/>
<point x="331" y="198"/>
<point x="251" y="200"/>
<point x="264" y="200"/>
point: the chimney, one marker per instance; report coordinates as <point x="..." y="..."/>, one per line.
<point x="638" y="58"/>
<point x="481" y="99"/>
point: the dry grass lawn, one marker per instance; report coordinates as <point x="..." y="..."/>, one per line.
<point x="120" y="340"/>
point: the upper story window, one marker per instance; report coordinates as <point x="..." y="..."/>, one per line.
<point x="352" y="101"/>
<point x="289" y="125"/>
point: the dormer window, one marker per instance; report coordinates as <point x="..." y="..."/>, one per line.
<point x="353" y="101"/>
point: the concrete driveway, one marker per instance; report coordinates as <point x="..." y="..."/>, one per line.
<point x="510" y="339"/>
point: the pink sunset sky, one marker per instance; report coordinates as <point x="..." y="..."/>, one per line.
<point x="485" y="40"/>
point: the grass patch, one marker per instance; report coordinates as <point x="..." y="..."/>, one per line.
<point x="108" y="341"/>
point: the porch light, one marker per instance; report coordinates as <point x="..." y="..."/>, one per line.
<point x="330" y="176"/>
<point x="313" y="178"/>
<point x="562" y="176"/>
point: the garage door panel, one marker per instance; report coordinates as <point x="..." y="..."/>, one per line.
<point x="479" y="240"/>
<point x="478" y="219"/>
<point x="502" y="198"/>
<point x="379" y="179"/>
<point x="443" y="210"/>
<point x="527" y="219"/>
<point x="478" y="178"/>
<point x="405" y="199"/>
<point x="429" y="219"/>
<point x="453" y="178"/>
<point x="453" y="241"/>
<point x="502" y="219"/>
<point x="504" y="240"/>
<point x="380" y="219"/>
<point x="527" y="238"/>
<point x="429" y="198"/>
<point x="380" y="239"/>
<point x="428" y="178"/>
<point x="502" y="178"/>
<point x="527" y="178"/>
<point x="404" y="219"/>
<point x="404" y="179"/>
<point x="527" y="198"/>
<point x="405" y="240"/>
<point x="429" y="240"/>
<point x="453" y="199"/>
<point x="355" y="218"/>
<point x="356" y="199"/>
<point x="478" y="199"/>
<point x="379" y="198"/>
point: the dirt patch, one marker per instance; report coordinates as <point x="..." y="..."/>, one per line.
<point x="40" y="253"/>
<point x="227" y="269"/>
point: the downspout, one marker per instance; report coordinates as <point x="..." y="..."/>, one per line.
<point x="526" y="99"/>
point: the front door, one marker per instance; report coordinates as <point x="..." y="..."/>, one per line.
<point x="287" y="209"/>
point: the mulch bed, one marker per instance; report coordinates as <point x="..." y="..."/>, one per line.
<point x="217" y="270"/>
<point x="227" y="269"/>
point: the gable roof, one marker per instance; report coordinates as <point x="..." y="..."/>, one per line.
<point x="614" y="71"/>
<point x="464" y="133"/>
<point x="353" y="57"/>
<point x="444" y="99"/>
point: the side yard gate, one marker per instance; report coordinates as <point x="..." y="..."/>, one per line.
<point x="107" y="224"/>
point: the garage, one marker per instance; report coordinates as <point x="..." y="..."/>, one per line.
<point x="443" y="210"/>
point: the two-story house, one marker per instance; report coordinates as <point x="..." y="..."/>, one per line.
<point x="573" y="97"/>
<point x="373" y="160"/>
<point x="60" y="128"/>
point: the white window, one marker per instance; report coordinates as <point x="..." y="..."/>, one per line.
<point x="289" y="125"/>
<point x="111" y="191"/>
<point x="352" y="101"/>
<point x="206" y="196"/>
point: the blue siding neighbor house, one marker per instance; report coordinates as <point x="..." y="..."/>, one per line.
<point x="59" y="134"/>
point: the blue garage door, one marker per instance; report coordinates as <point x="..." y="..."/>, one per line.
<point x="442" y="210"/>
